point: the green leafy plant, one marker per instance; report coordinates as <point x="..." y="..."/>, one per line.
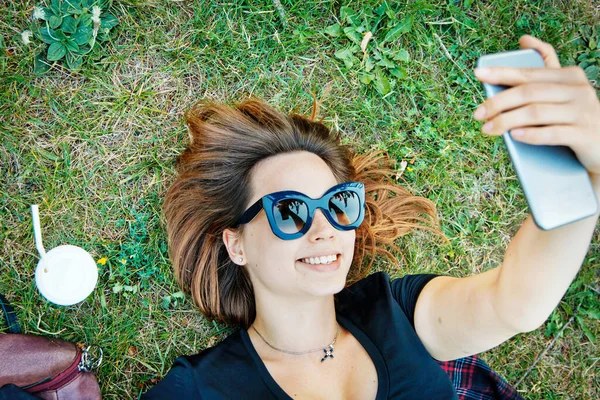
<point x="173" y="299"/>
<point x="133" y="267"/>
<point x="71" y="29"/>
<point x="580" y="302"/>
<point x="369" y="44"/>
<point x="589" y="60"/>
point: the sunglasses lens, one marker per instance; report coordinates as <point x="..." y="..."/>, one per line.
<point x="290" y="215"/>
<point x="344" y="207"/>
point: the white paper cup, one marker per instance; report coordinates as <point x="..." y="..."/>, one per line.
<point x="66" y="275"/>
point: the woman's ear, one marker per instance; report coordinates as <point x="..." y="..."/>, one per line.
<point x="233" y="243"/>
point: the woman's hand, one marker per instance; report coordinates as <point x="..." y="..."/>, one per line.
<point x="544" y="106"/>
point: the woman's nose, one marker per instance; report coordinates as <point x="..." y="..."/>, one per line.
<point x="321" y="228"/>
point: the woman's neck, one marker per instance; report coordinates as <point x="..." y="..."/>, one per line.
<point x="294" y="325"/>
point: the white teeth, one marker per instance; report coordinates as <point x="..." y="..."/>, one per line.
<point x="320" y="260"/>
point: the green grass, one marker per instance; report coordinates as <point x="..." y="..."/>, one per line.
<point x="96" y="150"/>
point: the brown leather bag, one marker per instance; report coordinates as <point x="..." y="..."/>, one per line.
<point x="45" y="367"/>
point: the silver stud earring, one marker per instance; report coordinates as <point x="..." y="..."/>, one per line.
<point x="241" y="259"/>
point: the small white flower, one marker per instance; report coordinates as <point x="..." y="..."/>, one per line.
<point x="25" y="35"/>
<point x="96" y="11"/>
<point x="38" y="13"/>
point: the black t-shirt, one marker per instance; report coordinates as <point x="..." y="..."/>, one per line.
<point x="379" y="313"/>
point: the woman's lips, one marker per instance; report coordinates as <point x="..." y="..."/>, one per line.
<point x="323" y="267"/>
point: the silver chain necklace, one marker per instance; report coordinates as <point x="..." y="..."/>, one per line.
<point x="327" y="349"/>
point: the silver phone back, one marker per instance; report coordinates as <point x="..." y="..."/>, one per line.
<point x="557" y="187"/>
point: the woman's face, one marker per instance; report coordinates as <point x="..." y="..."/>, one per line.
<point x="276" y="265"/>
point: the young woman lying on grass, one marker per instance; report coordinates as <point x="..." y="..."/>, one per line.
<point x="271" y="218"/>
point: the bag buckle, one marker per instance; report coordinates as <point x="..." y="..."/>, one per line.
<point x="91" y="358"/>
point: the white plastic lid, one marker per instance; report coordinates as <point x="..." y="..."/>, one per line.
<point x="66" y="275"/>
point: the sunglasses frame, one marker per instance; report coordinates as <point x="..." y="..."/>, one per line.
<point x="268" y="202"/>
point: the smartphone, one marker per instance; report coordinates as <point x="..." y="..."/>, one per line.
<point x="556" y="185"/>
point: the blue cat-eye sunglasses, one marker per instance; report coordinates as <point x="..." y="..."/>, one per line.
<point x="290" y="213"/>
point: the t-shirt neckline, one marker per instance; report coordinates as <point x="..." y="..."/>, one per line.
<point x="372" y="350"/>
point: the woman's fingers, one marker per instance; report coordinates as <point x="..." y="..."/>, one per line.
<point x="545" y="49"/>
<point x="518" y="76"/>
<point x="531" y="115"/>
<point x="557" y="135"/>
<point x="526" y="94"/>
<point x="547" y="106"/>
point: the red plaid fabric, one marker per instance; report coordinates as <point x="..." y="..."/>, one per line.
<point x="473" y="379"/>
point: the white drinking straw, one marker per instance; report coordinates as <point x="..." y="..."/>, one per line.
<point x="37" y="231"/>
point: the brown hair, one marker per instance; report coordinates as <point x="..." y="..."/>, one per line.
<point x="211" y="191"/>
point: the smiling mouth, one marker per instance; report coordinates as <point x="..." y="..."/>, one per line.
<point x="323" y="260"/>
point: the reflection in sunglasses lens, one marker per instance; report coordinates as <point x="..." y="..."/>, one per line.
<point x="344" y="207"/>
<point x="290" y="215"/>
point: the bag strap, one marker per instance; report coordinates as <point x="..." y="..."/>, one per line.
<point x="9" y="315"/>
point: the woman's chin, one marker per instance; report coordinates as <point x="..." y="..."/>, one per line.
<point x="323" y="279"/>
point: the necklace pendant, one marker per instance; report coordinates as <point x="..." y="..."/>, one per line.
<point x="328" y="352"/>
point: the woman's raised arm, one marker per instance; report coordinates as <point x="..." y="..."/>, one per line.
<point x="456" y="317"/>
